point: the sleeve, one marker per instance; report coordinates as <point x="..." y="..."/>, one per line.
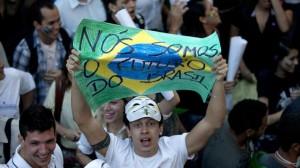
<point x="21" y="56"/>
<point x="84" y="146"/>
<point x="27" y="82"/>
<point x="50" y="98"/>
<point x="180" y="142"/>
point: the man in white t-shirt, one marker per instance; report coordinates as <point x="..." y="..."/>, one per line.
<point x="38" y="146"/>
<point x="144" y="147"/>
<point x="73" y="11"/>
<point x="15" y="85"/>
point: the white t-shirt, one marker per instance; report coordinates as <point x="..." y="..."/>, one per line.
<point x="18" y="162"/>
<point x="72" y="12"/>
<point x="172" y="153"/>
<point x="97" y="163"/>
<point x="14" y="141"/>
<point x="50" y="53"/>
<point x="14" y="84"/>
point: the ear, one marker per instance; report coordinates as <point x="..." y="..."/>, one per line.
<point x="20" y="138"/>
<point x="161" y="129"/>
<point x="249" y="133"/>
<point x="202" y="19"/>
<point x="37" y="25"/>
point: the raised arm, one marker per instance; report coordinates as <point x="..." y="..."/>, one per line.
<point x="215" y="112"/>
<point x="175" y="16"/>
<point x="167" y="105"/>
<point x="93" y="130"/>
<point x="283" y="18"/>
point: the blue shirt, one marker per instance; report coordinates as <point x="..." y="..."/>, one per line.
<point x="21" y="60"/>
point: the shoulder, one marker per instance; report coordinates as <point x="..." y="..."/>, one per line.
<point x="17" y="161"/>
<point x="19" y="75"/>
<point x="22" y="44"/>
<point x="13" y="73"/>
<point x="61" y="4"/>
<point x="173" y="142"/>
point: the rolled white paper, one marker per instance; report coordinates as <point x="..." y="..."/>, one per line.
<point x="236" y="51"/>
<point x="124" y="18"/>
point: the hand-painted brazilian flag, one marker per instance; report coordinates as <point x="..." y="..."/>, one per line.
<point x="120" y="62"/>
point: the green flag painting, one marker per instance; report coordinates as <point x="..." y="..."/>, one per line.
<point x="120" y="62"/>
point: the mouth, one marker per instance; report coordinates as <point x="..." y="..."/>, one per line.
<point x="109" y="115"/>
<point x="146" y="142"/>
<point x="44" y="158"/>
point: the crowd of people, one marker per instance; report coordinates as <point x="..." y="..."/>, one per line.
<point x="45" y="121"/>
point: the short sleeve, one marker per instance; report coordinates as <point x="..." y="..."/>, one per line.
<point x="27" y="82"/>
<point x="84" y="146"/>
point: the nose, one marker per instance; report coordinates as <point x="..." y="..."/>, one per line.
<point x="43" y="149"/>
<point x="106" y="107"/>
<point x="144" y="129"/>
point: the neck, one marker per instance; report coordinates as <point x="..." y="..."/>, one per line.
<point x="209" y="29"/>
<point x="115" y="127"/>
<point x="240" y="139"/>
<point x="286" y="158"/>
<point x="45" y="39"/>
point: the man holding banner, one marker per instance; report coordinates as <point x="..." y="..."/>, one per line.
<point x="145" y="147"/>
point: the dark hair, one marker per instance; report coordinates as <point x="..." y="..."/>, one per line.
<point x="111" y="1"/>
<point x="36" y="118"/>
<point x="247" y="114"/>
<point x="289" y="125"/>
<point x="36" y="14"/>
<point x="191" y="24"/>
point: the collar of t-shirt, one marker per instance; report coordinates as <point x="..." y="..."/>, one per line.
<point x="17" y="160"/>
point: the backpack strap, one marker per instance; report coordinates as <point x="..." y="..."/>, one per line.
<point x="60" y="89"/>
<point x="6" y="146"/>
<point x="33" y="60"/>
<point x="59" y="96"/>
<point x="66" y="40"/>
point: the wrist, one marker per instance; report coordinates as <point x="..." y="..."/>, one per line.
<point x="168" y="95"/>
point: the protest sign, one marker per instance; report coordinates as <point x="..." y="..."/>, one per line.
<point x="120" y="62"/>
